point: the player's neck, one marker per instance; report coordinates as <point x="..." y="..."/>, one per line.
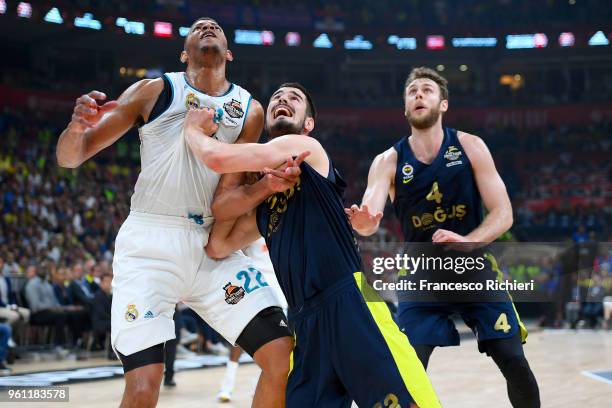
<point x="210" y="81"/>
<point x="426" y="143"/>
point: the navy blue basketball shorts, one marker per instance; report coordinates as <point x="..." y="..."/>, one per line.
<point x="348" y="348"/>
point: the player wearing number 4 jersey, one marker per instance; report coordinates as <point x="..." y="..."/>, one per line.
<point x="436" y="179"/>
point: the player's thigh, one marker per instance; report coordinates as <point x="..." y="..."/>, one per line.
<point x="492" y="320"/>
<point x="228" y="294"/>
<point x="428" y="323"/>
<point x="390" y="367"/>
<point x="148" y="281"/>
<point x="313" y="381"/>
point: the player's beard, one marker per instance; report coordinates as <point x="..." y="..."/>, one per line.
<point x="424" y="122"/>
<point x="283" y="127"/>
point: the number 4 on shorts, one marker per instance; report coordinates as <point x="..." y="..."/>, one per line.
<point x="502" y="323"/>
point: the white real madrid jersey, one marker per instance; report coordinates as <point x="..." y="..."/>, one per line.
<point x="172" y="181"/>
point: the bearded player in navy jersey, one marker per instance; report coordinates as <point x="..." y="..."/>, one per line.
<point x="347" y="345"/>
<point x="437" y="179"/>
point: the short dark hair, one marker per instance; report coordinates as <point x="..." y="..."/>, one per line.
<point x="200" y="19"/>
<point x="311" y="110"/>
<point x="105" y="275"/>
<point x="197" y="21"/>
<point x="424" y="72"/>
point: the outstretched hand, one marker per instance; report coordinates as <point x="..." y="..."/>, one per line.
<point x="286" y="175"/>
<point x="361" y="218"/>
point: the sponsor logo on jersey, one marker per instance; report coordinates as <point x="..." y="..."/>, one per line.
<point x="452" y="153"/>
<point x="149" y="315"/>
<point x="408" y="173"/>
<point x="192" y="101"/>
<point x="278" y="204"/>
<point x="454" y="163"/>
<point x="233" y="294"/>
<point x="131" y="313"/>
<point x="234" y="109"/>
<point x="439" y="216"/>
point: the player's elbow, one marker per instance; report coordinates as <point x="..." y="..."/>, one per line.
<point x="217" y="250"/>
<point x="219" y="211"/>
<point x="66" y="162"/>
<point x="509" y="219"/>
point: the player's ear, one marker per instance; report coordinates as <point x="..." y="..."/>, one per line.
<point x="444" y="105"/>
<point x="309" y="124"/>
<point x="184" y="57"/>
<point x="229" y="56"/>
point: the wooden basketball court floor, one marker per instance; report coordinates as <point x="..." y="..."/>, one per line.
<point x="462" y="377"/>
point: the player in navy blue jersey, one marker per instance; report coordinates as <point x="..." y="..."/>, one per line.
<point x="437" y="179"/>
<point x="347" y="347"/>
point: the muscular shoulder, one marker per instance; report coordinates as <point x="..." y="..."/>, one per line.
<point x="253" y="124"/>
<point x="141" y="96"/>
<point x="144" y="89"/>
<point x="475" y="148"/>
<point x="471" y="143"/>
<point x="386" y="161"/>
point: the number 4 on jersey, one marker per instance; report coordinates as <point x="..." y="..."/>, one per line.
<point x="434" y="194"/>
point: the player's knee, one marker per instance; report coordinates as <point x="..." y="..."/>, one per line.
<point x="145" y="397"/>
<point x="519" y="375"/>
<point x="142" y="392"/>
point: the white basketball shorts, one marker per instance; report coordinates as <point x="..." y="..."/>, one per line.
<point x="160" y="261"/>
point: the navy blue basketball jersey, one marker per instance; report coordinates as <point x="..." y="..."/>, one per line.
<point x="309" y="237"/>
<point x="442" y="194"/>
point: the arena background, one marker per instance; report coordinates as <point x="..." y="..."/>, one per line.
<point x="532" y="78"/>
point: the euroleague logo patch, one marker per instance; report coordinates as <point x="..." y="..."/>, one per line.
<point x="234" y="109"/>
<point x="452" y="153"/>
<point x="233" y="294"/>
<point x="131" y="313"/>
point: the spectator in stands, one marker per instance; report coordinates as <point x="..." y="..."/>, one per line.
<point x="47" y="310"/>
<point x="81" y="289"/>
<point x="5" y="335"/>
<point x="11" y="267"/>
<point x="60" y="281"/>
<point x="10" y="313"/>
<point x="580" y="235"/>
<point x="101" y="309"/>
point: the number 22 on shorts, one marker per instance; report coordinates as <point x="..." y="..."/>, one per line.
<point x="248" y="275"/>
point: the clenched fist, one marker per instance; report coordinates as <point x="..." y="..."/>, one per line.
<point x="203" y="120"/>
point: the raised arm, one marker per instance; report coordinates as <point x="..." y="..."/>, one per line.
<point x="365" y="219"/>
<point x="95" y="127"/>
<point x="231" y="158"/>
<point x="492" y="191"/>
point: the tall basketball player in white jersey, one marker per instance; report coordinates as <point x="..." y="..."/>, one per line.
<point x="159" y="256"/>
